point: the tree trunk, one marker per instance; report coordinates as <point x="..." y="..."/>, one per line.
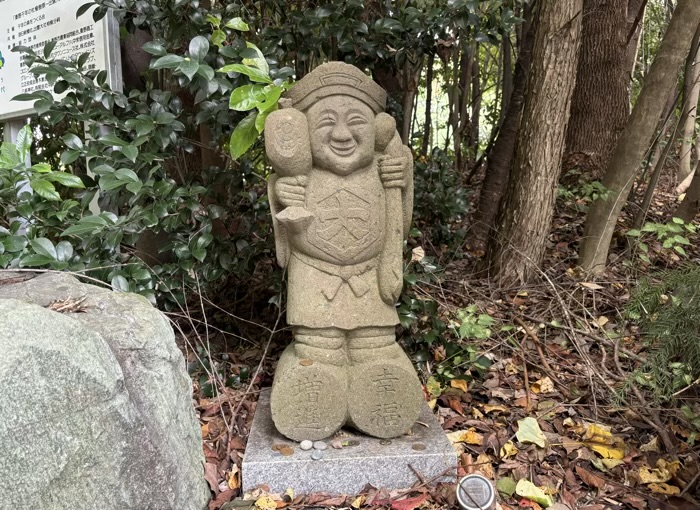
<point x="410" y="81"/>
<point x="498" y="167"/>
<point x="690" y="205"/>
<point x="600" y="105"/>
<point x="427" y="124"/>
<point x="507" y="90"/>
<point x="476" y="105"/>
<point x="691" y="90"/>
<point x="635" y="23"/>
<point x="629" y="153"/>
<point x="658" y="167"/>
<point x="525" y="214"/>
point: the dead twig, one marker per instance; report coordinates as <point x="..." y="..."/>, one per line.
<point x="547" y="367"/>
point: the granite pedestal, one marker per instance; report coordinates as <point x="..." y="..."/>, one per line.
<point x="380" y="463"/>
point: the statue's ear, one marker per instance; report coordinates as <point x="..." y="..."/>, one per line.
<point x="384" y="128"/>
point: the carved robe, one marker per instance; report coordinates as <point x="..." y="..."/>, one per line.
<point x="333" y="262"/>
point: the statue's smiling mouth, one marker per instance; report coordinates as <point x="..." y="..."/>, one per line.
<point x="344" y="148"/>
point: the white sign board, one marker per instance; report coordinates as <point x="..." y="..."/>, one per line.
<point x="33" y="23"/>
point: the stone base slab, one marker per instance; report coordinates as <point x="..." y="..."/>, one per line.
<point x="381" y="463"/>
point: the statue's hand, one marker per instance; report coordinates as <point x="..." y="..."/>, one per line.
<point x="291" y="191"/>
<point x="392" y="171"/>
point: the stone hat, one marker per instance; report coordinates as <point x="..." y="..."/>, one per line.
<point x="337" y="78"/>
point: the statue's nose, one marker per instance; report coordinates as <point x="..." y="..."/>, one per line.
<point x="341" y="133"/>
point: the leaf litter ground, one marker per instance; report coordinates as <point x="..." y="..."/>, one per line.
<point x="547" y="422"/>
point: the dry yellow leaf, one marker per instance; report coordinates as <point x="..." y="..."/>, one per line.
<point x="483" y="464"/>
<point x="432" y="403"/>
<point x="460" y="384"/>
<point x="266" y="503"/>
<point x="568" y="422"/>
<point x="672" y="466"/>
<point x="233" y="478"/>
<point x="508" y="450"/>
<point x="648" y="475"/>
<point x="357" y="502"/>
<point x="488" y="408"/>
<point x="544" y="385"/>
<point x="478" y="415"/>
<point x="598" y="434"/>
<point x="289" y="493"/>
<point x="664" y="488"/>
<point x="470" y="436"/>
<point x="511" y="369"/>
<point x="602" y="320"/>
<point x="611" y="463"/>
<point x="606" y="451"/>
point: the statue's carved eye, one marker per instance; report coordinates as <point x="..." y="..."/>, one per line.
<point x="356" y="119"/>
<point x="326" y="120"/>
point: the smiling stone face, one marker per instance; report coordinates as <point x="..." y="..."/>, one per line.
<point x="342" y="134"/>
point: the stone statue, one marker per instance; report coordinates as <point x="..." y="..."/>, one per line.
<point x="341" y="199"/>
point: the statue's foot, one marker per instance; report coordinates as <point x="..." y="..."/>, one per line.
<point x="385" y="395"/>
<point x="308" y="398"/>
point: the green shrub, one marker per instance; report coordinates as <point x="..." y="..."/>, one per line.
<point x="666" y="307"/>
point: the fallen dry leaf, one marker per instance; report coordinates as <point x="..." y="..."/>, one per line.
<point x="460" y="384"/>
<point x="409" y="503"/>
<point x="589" y="478"/>
<point x="663" y="472"/>
<point x="544" y="385"/>
<point x="211" y="475"/>
<point x="651" y="446"/>
<point x="490" y="408"/>
<point x="470" y="436"/>
<point x="664" y="488"/>
<point x="357" y="502"/>
<point x="417" y="254"/>
<point x="265" y="503"/>
<point x="483" y="464"/>
<point x="529" y="431"/>
<point x="508" y="450"/>
<point x="233" y="477"/>
<point x="532" y="492"/>
<point x="592" y="286"/>
<point x="606" y="451"/>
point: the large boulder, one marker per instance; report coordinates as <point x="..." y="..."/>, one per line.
<point x="95" y="402"/>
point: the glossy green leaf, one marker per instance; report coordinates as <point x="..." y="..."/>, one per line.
<point x="45" y="189"/>
<point x="131" y="152"/>
<point x="218" y="37"/>
<point x="188" y="67"/>
<point x="120" y="283"/>
<point x="199" y="47"/>
<point x="23" y="142"/>
<point x="35" y="260"/>
<point x="66" y="179"/>
<point x="258" y="60"/>
<point x="14" y="244"/>
<point x="167" y="62"/>
<point x="43" y="246"/>
<point x="73" y="141"/>
<point x="243" y="136"/>
<point x="41" y="168"/>
<point x="253" y="73"/>
<point x="64" y="251"/>
<point x="237" y="24"/>
<point x="247" y="97"/>
<point x="154" y="48"/>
